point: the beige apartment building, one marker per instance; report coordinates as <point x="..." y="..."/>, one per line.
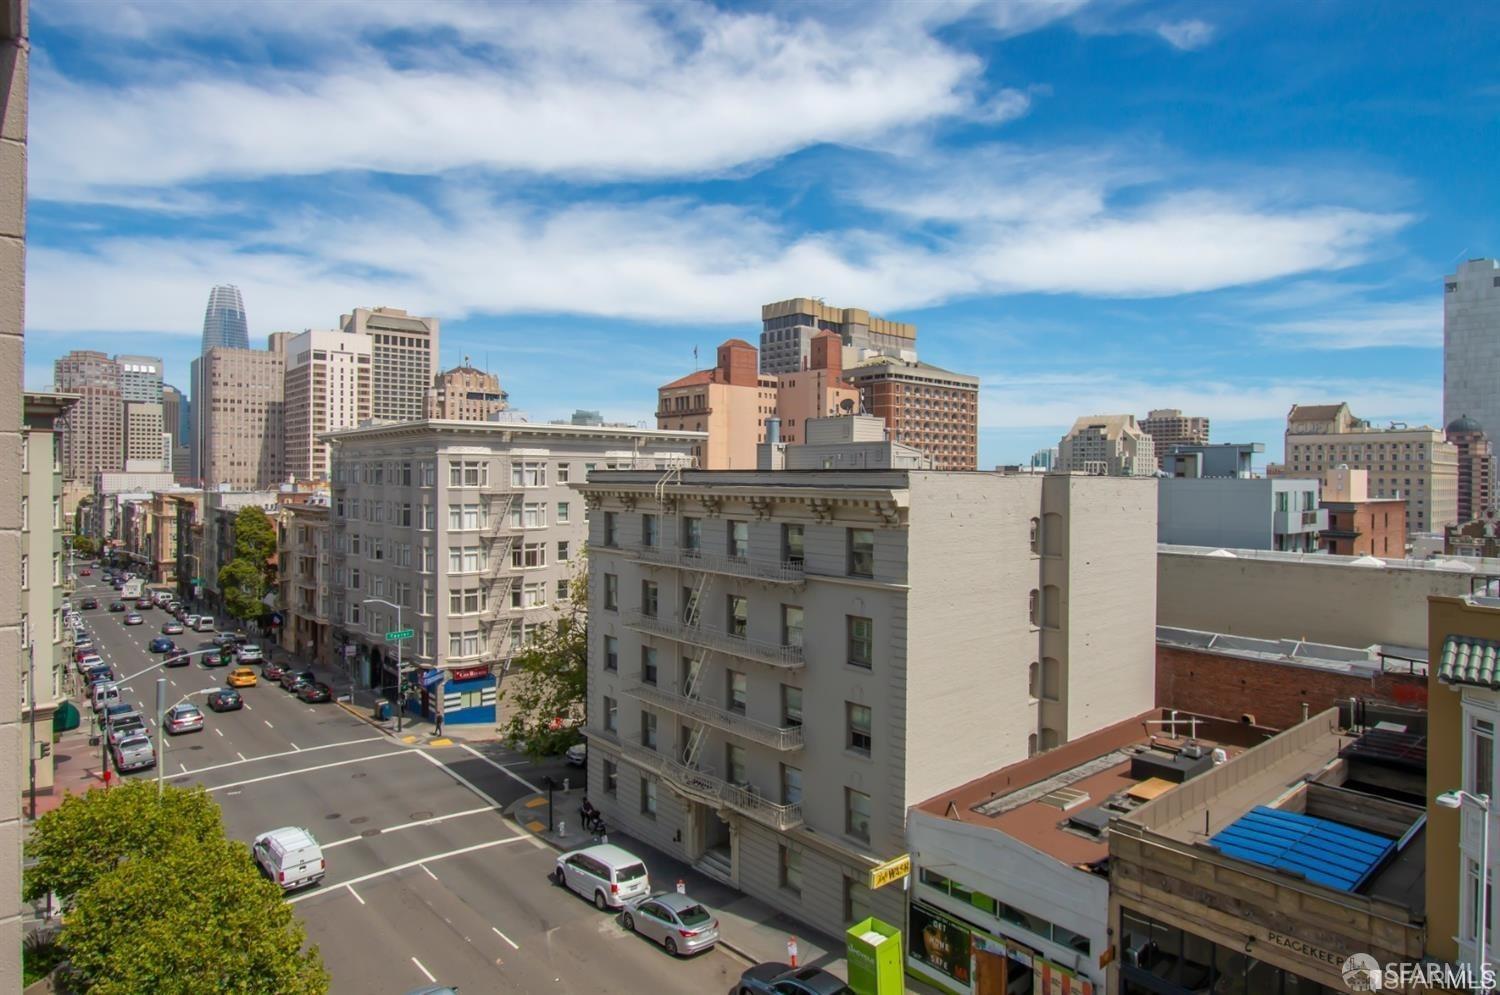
<point x="327" y="387"/>
<point x="924" y="406"/>
<point x="403" y="360"/>
<point x="1413" y="463"/>
<point x="304" y="551"/>
<point x="1107" y="446"/>
<point x="468" y="534"/>
<point x="145" y="450"/>
<point x="780" y="663"/>
<point x="1169" y="427"/>
<point x="466" y="394"/>
<point x="93" y="428"/>
<point x="238" y="407"/>
<point x="789" y="327"/>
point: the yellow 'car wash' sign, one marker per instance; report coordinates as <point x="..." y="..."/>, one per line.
<point x="892" y="870"/>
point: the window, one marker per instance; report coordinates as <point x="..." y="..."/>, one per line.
<point x="648" y="665"/>
<point x="791" y="625"/>
<point x="738" y="616"/>
<point x="611" y="714"/>
<point x="428" y="519"/>
<point x="791" y="870"/>
<point x="562" y="512"/>
<point x="692" y="533"/>
<point x="857" y="814"/>
<point x="648" y="729"/>
<point x="563" y="594"/>
<point x="648" y="530"/>
<point x="791" y="706"/>
<point x="1036" y="535"/>
<point x="739" y="540"/>
<point x="1034" y="607"/>
<point x="564" y="472"/>
<point x="791" y="544"/>
<point x="648" y="798"/>
<point x="1482" y="757"/>
<point x="861" y="552"/>
<point x="1051" y="679"/>
<point x="611" y="778"/>
<point x="736" y="691"/>
<point x="611" y="653"/>
<point x="464" y="602"/>
<point x="649" y="598"/>
<point x="791" y="785"/>
<point x="534" y="515"/>
<point x="861" y="641"/>
<point x="611" y="592"/>
<point x="857" y="907"/>
<point x="1470" y="925"/>
<point x="734" y="764"/>
<point x="529" y="555"/>
<point x="859" y="737"/>
<point x="528" y="474"/>
<point x="467" y="473"/>
<point x="609" y="528"/>
<point x="25" y="572"/>
<point x="534" y="594"/>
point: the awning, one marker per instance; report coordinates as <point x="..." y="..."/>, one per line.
<point x="1467" y="660"/>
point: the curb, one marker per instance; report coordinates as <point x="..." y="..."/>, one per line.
<point x="358" y="714"/>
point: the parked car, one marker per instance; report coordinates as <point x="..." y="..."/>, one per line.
<point x="225" y="700"/>
<point x="184" y="718"/>
<point x="679" y="923"/>
<point x="117" y="606"/>
<point x="99" y="672"/>
<point x="577" y="755"/>
<point x="88" y="603"/>
<point x="177" y="657"/>
<point x="222" y="639"/>
<point x="144" y="604"/>
<point x="133" y="753"/>
<point x="108" y="715"/>
<point x="172" y="629"/>
<point x="289" y="856"/>
<point x="161" y="644"/>
<point x="291" y="681"/>
<point x="127" y="727"/>
<point x="205" y="623"/>
<point x="315" y="692"/>
<point x="608" y="874"/>
<point x="272" y="671"/>
<point x="87" y="660"/>
<point x="783" y="979"/>
<point x="251" y="653"/>
<point x="241" y="677"/>
<point x="133" y="619"/>
<point x="191" y="622"/>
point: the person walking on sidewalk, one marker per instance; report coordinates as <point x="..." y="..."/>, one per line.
<point x="437" y="723"/>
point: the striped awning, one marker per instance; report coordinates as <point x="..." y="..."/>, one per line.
<point x="1467" y="660"/>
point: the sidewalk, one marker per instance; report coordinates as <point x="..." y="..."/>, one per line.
<point x="748" y="928"/>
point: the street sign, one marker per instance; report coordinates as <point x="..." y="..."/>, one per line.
<point x="892" y="870"/>
<point x="398" y="635"/>
<point x="195" y="582"/>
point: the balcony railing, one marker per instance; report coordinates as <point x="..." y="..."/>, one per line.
<point x="705" y="785"/>
<point x="776" y="737"/>
<point x="770" y="653"/>
<point x="782" y="572"/>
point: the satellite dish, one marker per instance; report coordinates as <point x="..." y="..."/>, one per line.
<point x="848" y="405"/>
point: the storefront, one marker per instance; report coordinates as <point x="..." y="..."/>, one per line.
<point x="962" y="957"/>
<point x="469" y="696"/>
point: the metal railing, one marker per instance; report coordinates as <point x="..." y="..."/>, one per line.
<point x="783" y="571"/>
<point x="773" y="654"/>
<point x="705" y="785"/>
<point x="734" y="723"/>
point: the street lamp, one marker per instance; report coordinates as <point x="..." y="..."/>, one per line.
<point x="1457" y="800"/>
<point x="161" y="724"/>
<point x="400" y="703"/>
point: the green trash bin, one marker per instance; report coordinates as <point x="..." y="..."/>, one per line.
<point x="66" y="718"/>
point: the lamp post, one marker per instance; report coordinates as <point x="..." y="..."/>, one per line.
<point x="400" y="702"/>
<point x="1457" y="800"/>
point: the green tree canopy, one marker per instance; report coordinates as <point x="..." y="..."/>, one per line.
<point x="243" y="584"/>
<point x="88" y="835"/>
<point x="84" y="544"/>
<point x="193" y="918"/>
<point x="254" y="537"/>
<point x="548" y="680"/>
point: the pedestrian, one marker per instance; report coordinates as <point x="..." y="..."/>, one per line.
<point x="437" y="723"/>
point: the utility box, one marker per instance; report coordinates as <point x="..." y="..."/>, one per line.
<point x="874" y="957"/>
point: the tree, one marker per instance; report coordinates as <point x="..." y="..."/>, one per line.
<point x="198" y="917"/>
<point x="89" y="835"/>
<point x="255" y="538"/>
<point x="243" y="585"/>
<point x="548" y="680"/>
<point x="84" y="545"/>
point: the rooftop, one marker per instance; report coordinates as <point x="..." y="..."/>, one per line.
<point x="1468" y="564"/>
<point x="1360" y="660"/>
<point x="510" y="429"/>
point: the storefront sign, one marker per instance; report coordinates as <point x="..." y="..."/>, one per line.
<point x="938" y="942"/>
<point x="892" y="870"/>
<point x="469" y="673"/>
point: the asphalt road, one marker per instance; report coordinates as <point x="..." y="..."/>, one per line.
<point x="427" y="881"/>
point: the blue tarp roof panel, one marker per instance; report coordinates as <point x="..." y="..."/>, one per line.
<point x="1321" y="850"/>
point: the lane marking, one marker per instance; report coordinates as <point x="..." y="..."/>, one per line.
<point x="507" y="773"/>
<point x="238" y="754"/>
<point x="410" y="825"/>
<point x="184" y="767"/>
<point x="248" y="708"/>
<point x="429" y="873"/>
<point x="457" y="777"/>
<point x="487" y="844"/>
<point x="268" y="723"/>
<point x="218" y="730"/>
<point x="284" y="753"/>
<point x="355" y="894"/>
<point x="426" y="973"/>
<point x="307" y="770"/>
<point x="294" y="745"/>
<point x="513" y="944"/>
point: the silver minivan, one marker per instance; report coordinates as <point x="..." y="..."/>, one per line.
<point x="608" y="874"/>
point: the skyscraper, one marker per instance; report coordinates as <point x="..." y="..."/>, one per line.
<point x="1471" y="349"/>
<point x="93" y="428"/>
<point x="239" y="415"/>
<point x="327" y="387"/>
<point x="140" y="378"/>
<point x="224" y="319"/>
<point x="788" y="328"/>
<point x="404" y="360"/>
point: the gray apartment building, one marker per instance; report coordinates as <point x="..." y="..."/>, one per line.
<point x="468" y="534"/>
<point x="782" y="662"/>
<point x="1280" y="513"/>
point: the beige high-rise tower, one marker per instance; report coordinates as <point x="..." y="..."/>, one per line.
<point x="466" y="394"/>
<point x="403" y="359"/>
<point x="240" y="417"/>
<point x="327" y="388"/>
<point x="93" y="429"/>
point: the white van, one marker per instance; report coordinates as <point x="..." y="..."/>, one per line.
<point x="289" y="856"/>
<point x="103" y="695"/>
<point x="608" y="874"/>
<point x="205" y="623"/>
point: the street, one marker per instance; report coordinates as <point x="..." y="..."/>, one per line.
<point x="427" y="881"/>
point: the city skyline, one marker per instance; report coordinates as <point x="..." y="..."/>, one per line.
<point x="1057" y="195"/>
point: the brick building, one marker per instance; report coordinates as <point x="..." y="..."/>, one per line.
<point x="1359" y="525"/>
<point x="928" y="408"/>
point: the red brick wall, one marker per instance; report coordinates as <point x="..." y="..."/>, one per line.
<point x="1228" y="687"/>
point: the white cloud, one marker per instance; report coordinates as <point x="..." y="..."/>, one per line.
<point x="1186" y="35"/>
<point x="1403" y="323"/>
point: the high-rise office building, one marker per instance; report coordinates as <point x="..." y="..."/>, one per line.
<point x="224" y="321"/>
<point x="327" y="388"/>
<point x="1471" y="343"/>
<point x="466" y="394"/>
<point x="93" y="429"/>
<point x="403" y="360"/>
<point x="172" y="403"/>
<point x="1169" y="427"/>
<point x="1476" y="468"/>
<point x="143" y="439"/>
<point x="788" y="328"/>
<point x="924" y="406"/>
<point x="1107" y="445"/>
<point x="239" y="415"/>
<point x="140" y="378"/>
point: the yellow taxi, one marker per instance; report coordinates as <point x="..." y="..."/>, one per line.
<point x="241" y="677"/>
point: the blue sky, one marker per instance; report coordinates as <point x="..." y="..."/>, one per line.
<point x="1094" y="206"/>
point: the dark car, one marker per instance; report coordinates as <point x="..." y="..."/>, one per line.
<point x="117" y="606"/>
<point x="292" y="682"/>
<point x="225" y="700"/>
<point x="143" y="604"/>
<point x="101" y="672"/>
<point x="272" y="671"/>
<point x="315" y="692"/>
<point x="161" y="644"/>
<point x="783" y="979"/>
<point x="88" y="603"/>
<point x="177" y="657"/>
